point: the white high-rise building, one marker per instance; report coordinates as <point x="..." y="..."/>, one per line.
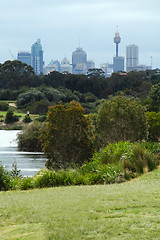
<point x="132" y="57"/>
<point x="66" y="66"/>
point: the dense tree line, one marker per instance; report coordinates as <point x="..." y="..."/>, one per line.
<point x="15" y="75"/>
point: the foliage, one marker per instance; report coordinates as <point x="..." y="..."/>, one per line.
<point x="154" y="97"/>
<point x="153" y="120"/>
<point x="39" y="107"/>
<point x="28" y="139"/>
<point x="15" y="173"/>
<point x="4" y="179"/>
<point x="120" y="118"/>
<point x="52" y="94"/>
<point x="4" y="106"/>
<point x="112" y="152"/>
<point x="29" y="97"/>
<point x="67" y="139"/>
<point x="137" y="159"/>
<point x="27" y="119"/>
<point x="95" y="72"/>
<point x="41" y="118"/>
<point x="15" y="74"/>
<point x="11" y="117"/>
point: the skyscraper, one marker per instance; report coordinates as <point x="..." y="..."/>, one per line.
<point x="66" y="66"/>
<point x="37" y="57"/>
<point x="24" y="57"/>
<point x="118" y="61"/>
<point x="132" y="57"/>
<point x="79" y="61"/>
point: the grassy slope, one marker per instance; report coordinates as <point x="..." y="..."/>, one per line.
<point x="120" y="211"/>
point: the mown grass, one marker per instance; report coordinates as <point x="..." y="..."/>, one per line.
<point x="120" y="211"/>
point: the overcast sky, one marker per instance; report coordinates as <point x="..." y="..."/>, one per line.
<point x="61" y="23"/>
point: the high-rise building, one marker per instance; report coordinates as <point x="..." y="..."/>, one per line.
<point x="37" y="57"/>
<point x="66" y="66"/>
<point x="79" y="58"/>
<point x="54" y="65"/>
<point x="24" y="57"/>
<point x="118" y="61"/>
<point x="132" y="57"/>
<point x="107" y="68"/>
<point x="90" y="64"/>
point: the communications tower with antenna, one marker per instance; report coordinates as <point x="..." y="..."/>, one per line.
<point x="117" y="40"/>
<point x="118" y="61"/>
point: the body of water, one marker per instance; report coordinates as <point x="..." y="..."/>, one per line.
<point x="28" y="162"/>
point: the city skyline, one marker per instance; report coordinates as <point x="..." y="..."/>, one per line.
<point x="60" y="25"/>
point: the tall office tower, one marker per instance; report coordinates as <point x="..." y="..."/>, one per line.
<point x="118" y="61"/>
<point x="24" y="57"/>
<point x="132" y="57"/>
<point x="79" y="61"/>
<point x="37" y="57"/>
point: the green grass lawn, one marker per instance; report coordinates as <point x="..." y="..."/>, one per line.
<point x="3" y="114"/>
<point x="120" y="211"/>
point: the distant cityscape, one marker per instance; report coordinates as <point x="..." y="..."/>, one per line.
<point x="80" y="64"/>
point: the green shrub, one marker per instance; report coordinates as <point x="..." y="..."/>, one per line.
<point x="29" y="97"/>
<point x="5" y="179"/>
<point x="27" y="183"/>
<point x="41" y="118"/>
<point x="112" y="152"/>
<point x="138" y="159"/>
<point x="28" y="139"/>
<point x="10" y="117"/>
<point x="4" y="106"/>
<point x="39" y="107"/>
<point x="27" y="119"/>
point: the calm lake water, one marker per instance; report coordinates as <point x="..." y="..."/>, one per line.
<point x="28" y="162"/>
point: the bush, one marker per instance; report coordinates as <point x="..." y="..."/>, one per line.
<point x="138" y="159"/>
<point x="112" y="152"/>
<point x="28" y="139"/>
<point x="29" y="97"/>
<point x="10" y="117"/>
<point x="39" y="107"/>
<point x="27" y="119"/>
<point x="41" y="118"/>
<point x="4" y="106"/>
<point x="4" y="179"/>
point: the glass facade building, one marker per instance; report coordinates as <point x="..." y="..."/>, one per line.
<point x="24" y="57"/>
<point x="37" y="57"/>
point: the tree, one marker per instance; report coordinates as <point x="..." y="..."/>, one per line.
<point x="121" y="118"/>
<point x="154" y="97"/>
<point x="96" y="72"/>
<point x="28" y="139"/>
<point x="67" y="139"/>
<point x="29" y="97"/>
<point x="153" y="120"/>
<point x="15" y="74"/>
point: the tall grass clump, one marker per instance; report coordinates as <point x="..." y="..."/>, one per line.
<point x="112" y="152"/>
<point x="138" y="159"/>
